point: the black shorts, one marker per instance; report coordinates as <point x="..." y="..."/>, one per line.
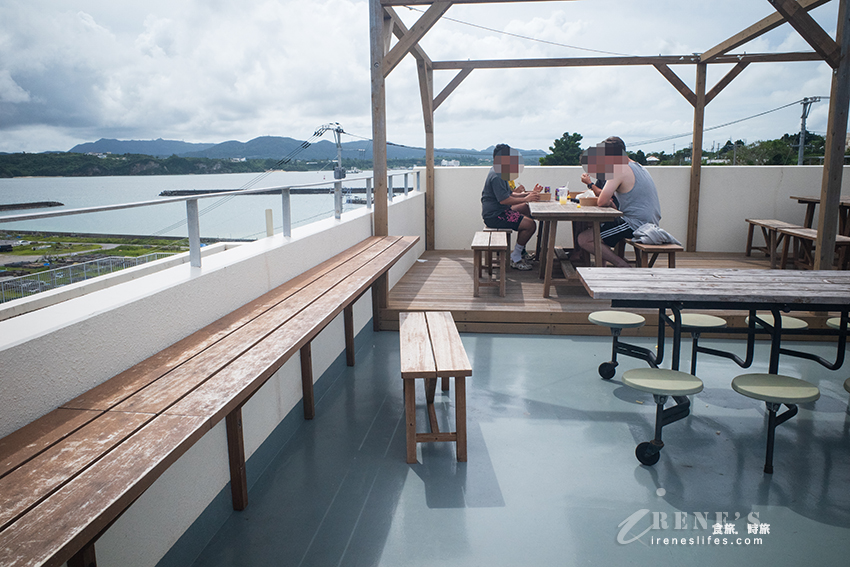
<point x="614" y="231"/>
<point x="508" y="218"/>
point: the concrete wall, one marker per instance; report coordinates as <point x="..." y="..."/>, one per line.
<point x="729" y="194"/>
<point x="49" y="356"/>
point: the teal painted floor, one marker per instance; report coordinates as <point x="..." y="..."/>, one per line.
<point x="552" y="479"/>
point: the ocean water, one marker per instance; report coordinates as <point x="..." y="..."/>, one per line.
<point x="240" y="217"/>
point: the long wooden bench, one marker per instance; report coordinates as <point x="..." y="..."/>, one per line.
<point x="66" y="477"/>
<point x="804" y="240"/>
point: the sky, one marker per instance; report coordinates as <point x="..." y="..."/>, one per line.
<point x="217" y="70"/>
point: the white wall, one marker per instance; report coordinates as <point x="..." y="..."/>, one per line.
<point x="50" y="356"/>
<point x="728" y="195"/>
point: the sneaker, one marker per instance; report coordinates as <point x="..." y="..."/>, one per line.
<point x="529" y="257"/>
<point x="521" y="265"/>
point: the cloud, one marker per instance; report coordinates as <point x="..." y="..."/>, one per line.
<point x="217" y="70"/>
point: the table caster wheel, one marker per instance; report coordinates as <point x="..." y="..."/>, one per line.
<point x="607" y="370"/>
<point x="643" y="455"/>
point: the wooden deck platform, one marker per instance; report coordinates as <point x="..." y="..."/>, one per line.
<point x="442" y="280"/>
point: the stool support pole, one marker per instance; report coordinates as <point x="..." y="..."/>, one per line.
<point x="774" y="420"/>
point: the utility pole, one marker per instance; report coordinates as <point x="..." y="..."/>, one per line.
<point x="807" y="106"/>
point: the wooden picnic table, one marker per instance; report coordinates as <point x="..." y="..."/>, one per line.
<point x="746" y="290"/>
<point x="812" y="202"/>
<point x="550" y="212"/>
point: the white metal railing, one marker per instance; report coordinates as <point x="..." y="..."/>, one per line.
<point x="24" y="286"/>
<point x="192" y="216"/>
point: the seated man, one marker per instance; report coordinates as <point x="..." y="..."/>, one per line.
<point x="634" y="188"/>
<point x="503" y="208"/>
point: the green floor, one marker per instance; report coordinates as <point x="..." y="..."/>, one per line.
<point x="552" y="479"/>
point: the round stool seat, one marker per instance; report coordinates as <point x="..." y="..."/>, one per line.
<point x="662" y="381"/>
<point x="788" y="323"/>
<point x="700" y="320"/>
<point x="620" y="319"/>
<point x="847" y="384"/>
<point x="775" y="388"/>
<point x="834" y="322"/>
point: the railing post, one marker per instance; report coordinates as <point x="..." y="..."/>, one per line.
<point x="418" y="186"/>
<point x="337" y="199"/>
<point x="269" y="223"/>
<point x="194" y="225"/>
<point x="369" y="193"/>
<point x="287" y="212"/>
<point x="390" y="187"/>
<point x="405" y="184"/>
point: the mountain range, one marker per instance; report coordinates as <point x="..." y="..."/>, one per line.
<point x="276" y="147"/>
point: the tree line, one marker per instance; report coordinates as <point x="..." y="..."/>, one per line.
<point x="566" y="150"/>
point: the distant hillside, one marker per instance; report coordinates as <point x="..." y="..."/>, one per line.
<point x="277" y="147"/>
<point x="156" y="148"/>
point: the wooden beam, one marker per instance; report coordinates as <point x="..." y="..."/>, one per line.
<point x="399" y="29"/>
<point x="380" y="23"/>
<point x="833" y="164"/>
<point x="679" y="85"/>
<point x="696" y="159"/>
<point x="623" y="61"/>
<point x="417" y="32"/>
<point x="426" y="92"/>
<point x="453" y="84"/>
<point x="761" y="27"/>
<point x="724" y="82"/>
<point x="809" y="29"/>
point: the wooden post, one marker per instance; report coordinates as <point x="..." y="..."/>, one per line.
<point x="348" y="320"/>
<point x="696" y="158"/>
<point x="84" y="558"/>
<point x="307" y="381"/>
<point x="833" y="165"/>
<point x="426" y="89"/>
<point x="379" y="26"/>
<point x="236" y="456"/>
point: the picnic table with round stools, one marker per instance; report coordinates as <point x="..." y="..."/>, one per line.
<point x="617" y="321"/>
<point x="788" y="323"/>
<point x="775" y="390"/>
<point x="662" y="383"/>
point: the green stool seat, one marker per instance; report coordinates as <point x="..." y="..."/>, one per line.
<point x="847" y="384"/>
<point x="702" y="321"/>
<point x="695" y="323"/>
<point x="662" y="381"/>
<point x="619" y="319"/>
<point x="788" y="323"/>
<point x="775" y="390"/>
<point x="834" y="323"/>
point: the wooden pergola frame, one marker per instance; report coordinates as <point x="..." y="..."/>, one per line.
<point x="385" y="56"/>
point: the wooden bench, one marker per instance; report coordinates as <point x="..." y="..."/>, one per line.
<point x="770" y="229"/>
<point x="431" y="348"/>
<point x="643" y="251"/>
<point x="67" y="476"/>
<point x="804" y="240"/>
<point x="485" y="244"/>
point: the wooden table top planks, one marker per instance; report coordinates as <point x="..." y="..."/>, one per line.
<point x="806" y="289"/>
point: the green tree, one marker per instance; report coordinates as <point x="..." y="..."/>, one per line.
<point x="565" y="151"/>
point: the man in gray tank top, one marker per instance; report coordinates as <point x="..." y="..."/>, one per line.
<point x="635" y="191"/>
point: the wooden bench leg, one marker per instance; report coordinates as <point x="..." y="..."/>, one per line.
<point x="380" y="296"/>
<point x="236" y="455"/>
<point x="460" y="417"/>
<point x="307" y="381"/>
<point x="445" y="384"/>
<point x="348" y="319"/>
<point x="503" y="268"/>
<point x="671" y="259"/>
<point x="476" y="272"/>
<point x="84" y="557"/>
<point x="410" y="419"/>
<point x="750" y="230"/>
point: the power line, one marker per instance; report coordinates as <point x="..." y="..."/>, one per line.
<point x="682" y="135"/>
<point x="525" y="37"/>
